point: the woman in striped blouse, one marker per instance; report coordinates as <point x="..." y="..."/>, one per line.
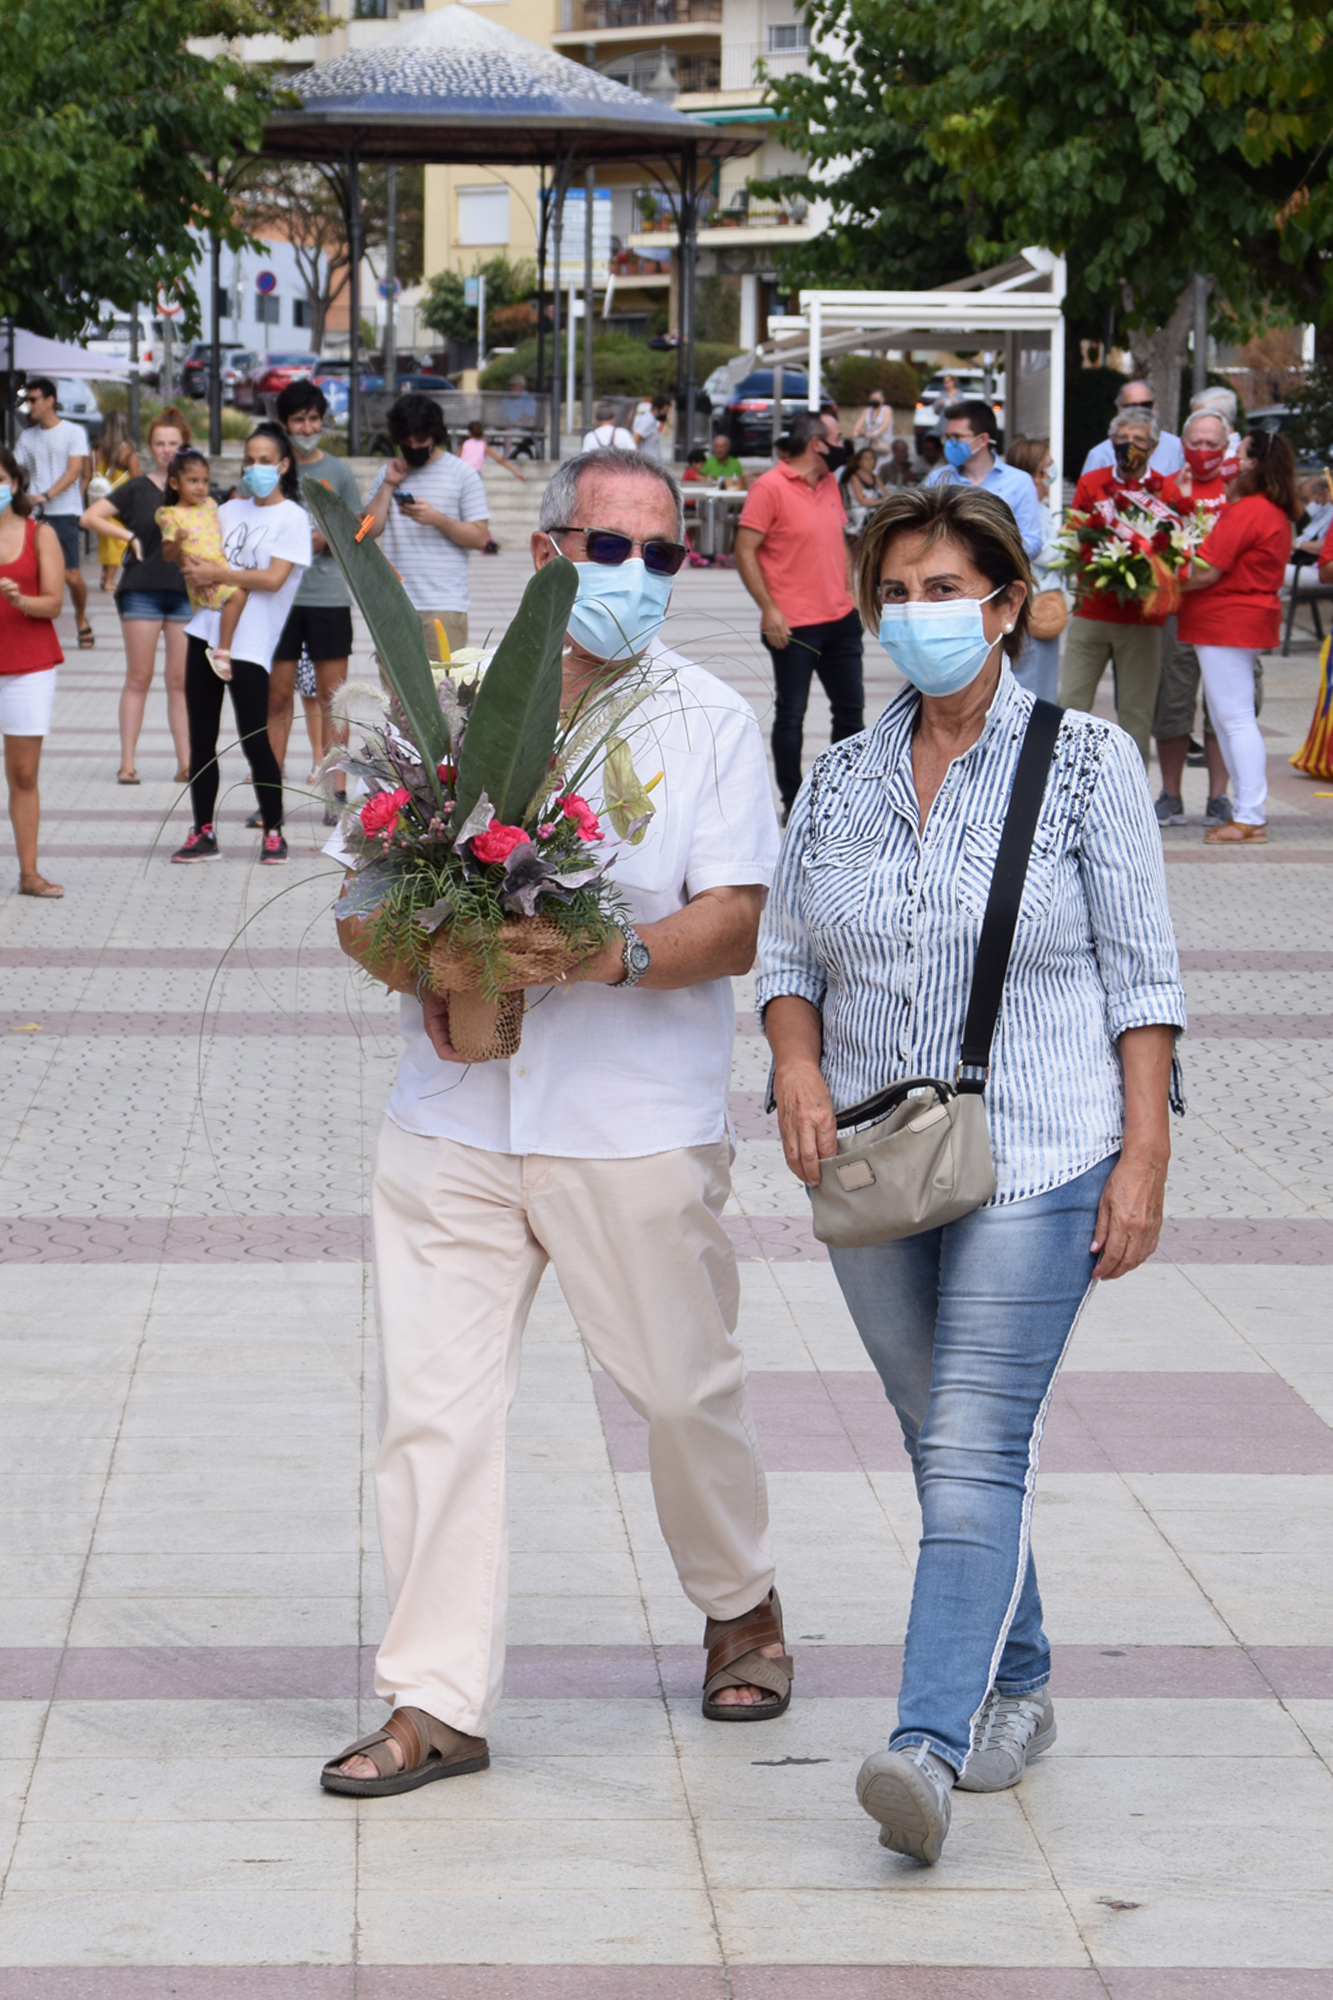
<point x="867" y="952"/>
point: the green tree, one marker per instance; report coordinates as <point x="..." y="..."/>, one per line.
<point x="109" y="118"/>
<point x="1122" y="134"/>
<point x="446" y="311"/>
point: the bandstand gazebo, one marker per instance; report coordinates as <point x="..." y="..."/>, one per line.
<point x="452" y="87"/>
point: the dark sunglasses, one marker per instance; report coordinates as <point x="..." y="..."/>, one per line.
<point x="604" y="545"/>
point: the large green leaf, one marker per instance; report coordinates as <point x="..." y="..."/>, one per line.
<point x="394" y="625"/>
<point x="511" y="731"/>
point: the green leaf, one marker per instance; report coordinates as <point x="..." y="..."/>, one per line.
<point x="512" y="728"/>
<point x="394" y="624"/>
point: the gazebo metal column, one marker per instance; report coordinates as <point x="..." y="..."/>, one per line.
<point x="354" y="301"/>
<point x="688" y="238"/>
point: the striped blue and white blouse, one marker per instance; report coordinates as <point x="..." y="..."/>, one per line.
<point x="876" y="923"/>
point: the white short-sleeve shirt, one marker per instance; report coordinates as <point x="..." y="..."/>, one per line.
<point x="609" y="434"/>
<point x="252" y="538"/>
<point x="46" y="455"/>
<point x="609" y="1074"/>
<point x="433" y="569"/>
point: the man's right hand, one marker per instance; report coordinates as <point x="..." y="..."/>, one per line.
<point x="435" y="1015"/>
<point x="395" y="472"/>
<point x="775" y="629"/>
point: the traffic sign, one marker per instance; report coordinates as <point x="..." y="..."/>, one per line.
<point x="397" y="287"/>
<point x="166" y="305"/>
<point x="266" y="282"/>
<point x="469" y="291"/>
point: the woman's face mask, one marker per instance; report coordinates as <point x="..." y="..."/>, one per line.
<point x="619" y="607"/>
<point x="260" y="480"/>
<point x="940" y="648"/>
<point x="1131" y="456"/>
<point x="6" y="498"/>
<point x="1205" y="461"/>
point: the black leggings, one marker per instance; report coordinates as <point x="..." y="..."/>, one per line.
<point x="249" y="699"/>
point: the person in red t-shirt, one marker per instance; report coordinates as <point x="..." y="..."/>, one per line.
<point x="791" y="551"/>
<point x="1231" y="614"/>
<point x="1200" y="483"/>
<point x="1101" y="626"/>
<point x="32" y="586"/>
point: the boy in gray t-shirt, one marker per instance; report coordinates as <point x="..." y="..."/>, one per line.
<point x="319" y="624"/>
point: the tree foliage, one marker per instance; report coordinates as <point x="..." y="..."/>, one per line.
<point x="446" y="311"/>
<point x="109" y="120"/>
<point x="1144" y="139"/>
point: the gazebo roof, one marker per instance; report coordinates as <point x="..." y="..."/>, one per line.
<point x="452" y="86"/>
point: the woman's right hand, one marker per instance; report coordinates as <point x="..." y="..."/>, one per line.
<point x="806" y="1118"/>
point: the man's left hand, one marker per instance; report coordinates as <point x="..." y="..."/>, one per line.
<point x="435" y="1015"/>
<point x="422" y="511"/>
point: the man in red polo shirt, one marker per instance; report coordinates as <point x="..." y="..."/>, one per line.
<point x="791" y="551"/>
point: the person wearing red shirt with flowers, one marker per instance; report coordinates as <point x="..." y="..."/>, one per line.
<point x="1201" y="487"/>
<point x="1102" y="627"/>
<point x="1231" y="614"/>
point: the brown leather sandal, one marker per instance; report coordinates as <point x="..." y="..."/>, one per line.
<point x="430" y="1750"/>
<point x="735" y="1660"/>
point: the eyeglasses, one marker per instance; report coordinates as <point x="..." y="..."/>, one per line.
<point x="605" y="545"/>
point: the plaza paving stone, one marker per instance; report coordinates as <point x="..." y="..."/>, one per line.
<point x="189" y="1585"/>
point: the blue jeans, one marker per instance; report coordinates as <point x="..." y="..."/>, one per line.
<point x="967" y="1326"/>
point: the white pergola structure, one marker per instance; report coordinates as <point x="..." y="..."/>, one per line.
<point x="1018" y="307"/>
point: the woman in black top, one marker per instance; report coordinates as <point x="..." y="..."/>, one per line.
<point x="150" y="595"/>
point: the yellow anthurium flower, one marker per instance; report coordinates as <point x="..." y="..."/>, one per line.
<point x="627" y="804"/>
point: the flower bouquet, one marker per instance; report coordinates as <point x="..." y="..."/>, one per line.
<point x="474" y="855"/>
<point x="1131" y="546"/>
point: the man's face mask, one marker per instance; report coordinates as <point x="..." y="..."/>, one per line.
<point x="1131" y="456"/>
<point x="415" y="454"/>
<point x="1205" y="461"/>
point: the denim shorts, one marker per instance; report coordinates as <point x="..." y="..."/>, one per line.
<point x="172" y="605"/>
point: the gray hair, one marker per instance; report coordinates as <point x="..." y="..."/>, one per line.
<point x="1134" y="382"/>
<point x="1213" y="416"/>
<point x="606" y="409"/>
<point x="560" y="501"/>
<point x="1223" y="402"/>
<point x="1136" y="420"/>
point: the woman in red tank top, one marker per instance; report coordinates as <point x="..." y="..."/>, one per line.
<point x="32" y="585"/>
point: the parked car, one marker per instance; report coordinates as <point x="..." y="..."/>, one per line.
<point x="198" y="363"/>
<point x="75" y="400"/>
<point x="971" y="388"/>
<point x="270" y="373"/>
<point x="747" y="414"/>
<point x="1281" y="417"/>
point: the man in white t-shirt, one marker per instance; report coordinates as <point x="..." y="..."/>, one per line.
<point x="608" y="434"/>
<point x="649" y="424"/>
<point x="603" y="1148"/>
<point x="54" y="453"/>
<point x="430" y="511"/>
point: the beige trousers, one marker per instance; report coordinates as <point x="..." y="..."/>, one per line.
<point x="1090" y="644"/>
<point x="461" y="1239"/>
<point x="455" y="630"/>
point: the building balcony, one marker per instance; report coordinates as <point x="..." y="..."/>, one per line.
<point x="743" y="219"/>
<point x="585" y="20"/>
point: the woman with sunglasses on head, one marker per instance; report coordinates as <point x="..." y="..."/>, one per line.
<point x="868" y="949"/>
<point x="1230" y="614"/>
<point x="150" y="597"/>
<point x="266" y="551"/>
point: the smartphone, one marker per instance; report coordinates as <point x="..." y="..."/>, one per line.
<point x="405" y="499"/>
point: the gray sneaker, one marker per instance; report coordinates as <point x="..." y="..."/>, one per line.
<point x="907" y="1791"/>
<point x="1170" y="810"/>
<point x="1219" y="810"/>
<point x="1011" y="1729"/>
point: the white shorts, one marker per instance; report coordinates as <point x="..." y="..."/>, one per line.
<point x="26" y="701"/>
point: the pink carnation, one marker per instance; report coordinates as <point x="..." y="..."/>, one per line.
<point x="381" y="812"/>
<point x="582" y="814"/>
<point x="498" y="842"/>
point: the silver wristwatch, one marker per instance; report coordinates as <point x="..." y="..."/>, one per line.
<point x="637" y="955"/>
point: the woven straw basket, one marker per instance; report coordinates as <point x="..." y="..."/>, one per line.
<point x="482" y="1029"/>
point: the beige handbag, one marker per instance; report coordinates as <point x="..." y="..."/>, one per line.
<point x="1049" y="614"/>
<point x="929" y="1160"/>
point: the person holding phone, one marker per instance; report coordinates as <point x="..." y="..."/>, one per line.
<point x="430" y="511"/>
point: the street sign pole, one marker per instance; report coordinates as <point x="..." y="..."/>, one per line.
<point x="588" y="178"/>
<point x="481" y="324"/>
<point x="135" y="391"/>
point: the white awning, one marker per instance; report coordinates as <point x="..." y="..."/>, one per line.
<point x="36" y="355"/>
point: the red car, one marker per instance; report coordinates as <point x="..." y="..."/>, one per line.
<point x="271" y="373"/>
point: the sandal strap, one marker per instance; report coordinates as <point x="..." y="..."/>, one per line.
<point x="375" y="1747"/>
<point x="754" y="1670"/>
<point x="404" y="1726"/>
<point x="730" y="1639"/>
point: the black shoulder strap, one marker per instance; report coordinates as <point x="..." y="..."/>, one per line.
<point x="1006" y="893"/>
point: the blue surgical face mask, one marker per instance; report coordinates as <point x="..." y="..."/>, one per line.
<point x="959" y="450"/>
<point x="940" y="648"/>
<point x="618" y="608"/>
<point x="260" y="480"/>
<point x="6" y="497"/>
